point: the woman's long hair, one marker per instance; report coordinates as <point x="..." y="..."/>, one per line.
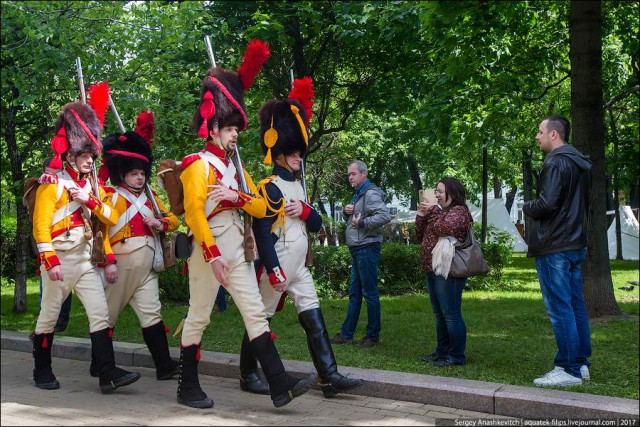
<point x="455" y="191"/>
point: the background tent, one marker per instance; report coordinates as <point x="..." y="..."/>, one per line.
<point x="629" y="235"/>
<point x="498" y="216"/>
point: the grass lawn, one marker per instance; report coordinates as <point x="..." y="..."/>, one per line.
<point x="509" y="341"/>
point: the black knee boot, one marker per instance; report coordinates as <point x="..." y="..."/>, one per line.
<point x="156" y="339"/>
<point x="93" y="366"/>
<point x="322" y="355"/>
<point x="250" y="380"/>
<point x="111" y="377"/>
<point x="189" y="391"/>
<point x="42" y="372"/>
<point x="283" y="387"/>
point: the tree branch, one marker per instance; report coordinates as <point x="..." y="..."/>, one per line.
<point x="621" y="96"/>
<point x="544" y="92"/>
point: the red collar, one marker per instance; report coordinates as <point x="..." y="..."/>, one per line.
<point x="74" y="174"/>
<point x="215" y="150"/>
<point x="124" y="187"/>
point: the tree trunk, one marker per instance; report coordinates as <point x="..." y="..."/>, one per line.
<point x="511" y="196"/>
<point x="497" y="187"/>
<point x="616" y="187"/>
<point x="416" y="182"/>
<point x="527" y="180"/>
<point x="585" y="27"/>
<point x="485" y="184"/>
<point x="20" y="289"/>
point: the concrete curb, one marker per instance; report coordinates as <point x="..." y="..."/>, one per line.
<point x="480" y="396"/>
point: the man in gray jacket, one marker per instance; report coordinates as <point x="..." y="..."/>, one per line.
<point x="365" y="216"/>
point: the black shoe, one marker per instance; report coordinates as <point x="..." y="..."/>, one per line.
<point x="61" y="325"/>
<point x="339" y="339"/>
<point x="433" y="357"/>
<point x="122" y="378"/>
<point x="446" y="362"/>
<point x="338" y="383"/>
<point x="189" y="391"/>
<point x="254" y="384"/>
<point x="367" y="342"/>
<point x="299" y="388"/>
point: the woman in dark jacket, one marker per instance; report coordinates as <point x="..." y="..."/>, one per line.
<point x="449" y="217"/>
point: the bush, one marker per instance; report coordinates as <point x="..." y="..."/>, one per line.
<point x="498" y="253"/>
<point x="174" y="286"/>
<point x="8" y="249"/>
<point x="8" y="252"/>
<point x="399" y="273"/>
<point x="399" y="270"/>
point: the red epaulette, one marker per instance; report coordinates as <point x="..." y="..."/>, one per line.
<point x="188" y="160"/>
<point x="108" y="190"/>
<point x="48" y="178"/>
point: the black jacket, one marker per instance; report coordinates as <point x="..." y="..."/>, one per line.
<point x="560" y="209"/>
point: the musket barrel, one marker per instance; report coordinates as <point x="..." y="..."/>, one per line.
<point x="115" y="113"/>
<point x="83" y="97"/>
<point x="207" y="42"/>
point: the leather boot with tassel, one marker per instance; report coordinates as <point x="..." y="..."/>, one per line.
<point x="110" y="376"/>
<point x="250" y="380"/>
<point x="332" y="382"/>
<point x="283" y="387"/>
<point x="189" y="391"/>
<point x="156" y="339"/>
<point x="42" y="372"/>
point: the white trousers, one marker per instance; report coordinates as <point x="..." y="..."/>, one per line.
<point x="81" y="275"/>
<point x="137" y="283"/>
<point x="203" y="289"/>
<point x="299" y="282"/>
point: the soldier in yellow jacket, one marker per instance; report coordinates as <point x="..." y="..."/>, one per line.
<point x="61" y="228"/>
<point x="135" y="240"/>
<point x="213" y="205"/>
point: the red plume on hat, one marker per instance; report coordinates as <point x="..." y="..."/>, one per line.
<point x="302" y="91"/>
<point x="145" y="126"/>
<point x="99" y="99"/>
<point x="254" y="57"/>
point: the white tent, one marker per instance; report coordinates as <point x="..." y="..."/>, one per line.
<point x="498" y="216"/>
<point x="629" y="235"/>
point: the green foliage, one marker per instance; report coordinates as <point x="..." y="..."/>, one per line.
<point x="331" y="270"/>
<point x="7" y="249"/>
<point x="174" y="286"/>
<point x="8" y="252"/>
<point x="400" y="271"/>
<point x="498" y="253"/>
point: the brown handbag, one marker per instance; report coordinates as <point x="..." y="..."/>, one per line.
<point x="468" y="260"/>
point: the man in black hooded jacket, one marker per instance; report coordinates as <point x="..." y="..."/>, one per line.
<point x="557" y="238"/>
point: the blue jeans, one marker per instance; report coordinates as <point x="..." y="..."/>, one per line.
<point x="560" y="277"/>
<point x="221" y="300"/>
<point x="446" y="302"/>
<point x="364" y="282"/>
<point x="65" y="309"/>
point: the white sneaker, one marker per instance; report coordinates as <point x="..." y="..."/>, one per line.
<point x="584" y="372"/>
<point x="558" y="377"/>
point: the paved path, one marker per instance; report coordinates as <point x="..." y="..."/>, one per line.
<point x="151" y="402"/>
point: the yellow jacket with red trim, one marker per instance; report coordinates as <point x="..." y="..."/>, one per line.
<point x="196" y="187"/>
<point x="169" y="222"/>
<point x="47" y="203"/>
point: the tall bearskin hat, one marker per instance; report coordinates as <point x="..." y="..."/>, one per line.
<point x="222" y="92"/>
<point x="124" y="152"/>
<point x="284" y="124"/>
<point x="79" y="126"/>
